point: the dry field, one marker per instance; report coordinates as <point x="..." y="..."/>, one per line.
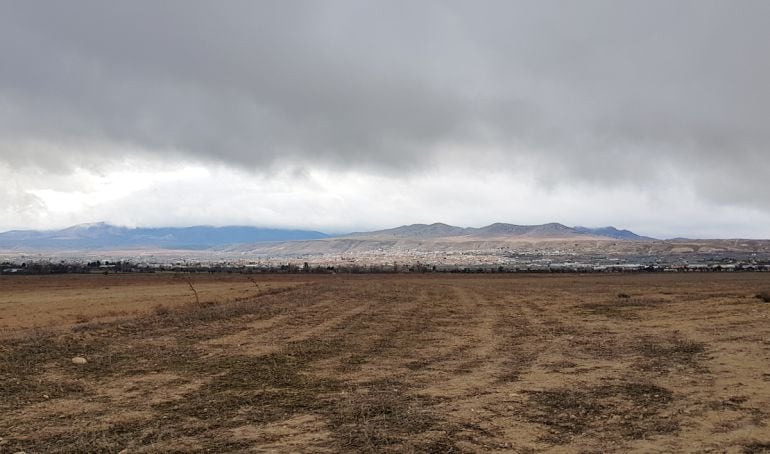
<point x="62" y="300"/>
<point x="431" y="363"/>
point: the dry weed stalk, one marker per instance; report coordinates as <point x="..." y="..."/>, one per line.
<point x="254" y="281"/>
<point x="195" y="292"/>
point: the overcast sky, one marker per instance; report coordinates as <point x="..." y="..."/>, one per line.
<point x="351" y="115"/>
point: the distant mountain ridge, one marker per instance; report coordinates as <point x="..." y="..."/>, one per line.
<point x="612" y="232"/>
<point x="106" y="236"/>
<point x="499" y="230"/>
<point x="103" y="236"/>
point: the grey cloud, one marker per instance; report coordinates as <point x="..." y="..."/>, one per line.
<point x="19" y="208"/>
<point x="598" y="91"/>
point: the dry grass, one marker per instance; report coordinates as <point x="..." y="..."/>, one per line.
<point x="626" y="411"/>
<point x="756" y="448"/>
<point x="404" y="364"/>
<point x="624" y="307"/>
<point x="660" y="353"/>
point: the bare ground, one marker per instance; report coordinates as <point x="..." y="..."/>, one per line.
<point x="509" y="363"/>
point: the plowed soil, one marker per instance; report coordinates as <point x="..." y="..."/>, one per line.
<point x="396" y="363"/>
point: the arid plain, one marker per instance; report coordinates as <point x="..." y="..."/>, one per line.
<point x="394" y="363"/>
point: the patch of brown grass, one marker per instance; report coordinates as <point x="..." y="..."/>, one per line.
<point x="661" y="353"/>
<point x="624" y="307"/>
<point x="623" y="411"/>
<point x="380" y="414"/>
<point x="757" y="448"/>
<point x="764" y="296"/>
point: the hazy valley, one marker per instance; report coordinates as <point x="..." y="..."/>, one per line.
<point x="522" y="247"/>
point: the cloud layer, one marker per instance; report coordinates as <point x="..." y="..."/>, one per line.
<point x="621" y="97"/>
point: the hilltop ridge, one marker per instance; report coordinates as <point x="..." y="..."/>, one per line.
<point x="500" y="230"/>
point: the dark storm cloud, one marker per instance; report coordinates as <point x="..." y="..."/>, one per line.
<point x="600" y="91"/>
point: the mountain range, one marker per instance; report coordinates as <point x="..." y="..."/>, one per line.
<point x="105" y="236"/>
<point x="502" y="231"/>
